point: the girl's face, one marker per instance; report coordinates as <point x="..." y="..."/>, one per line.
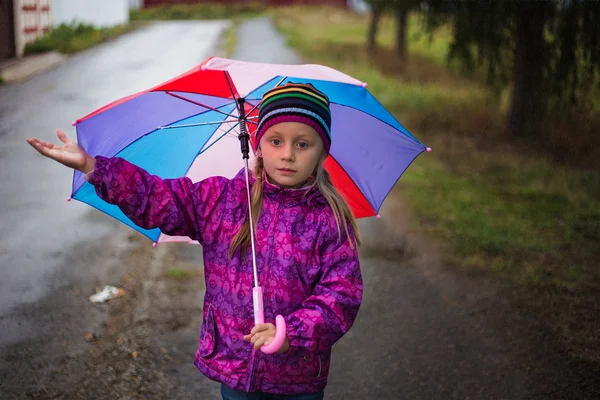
<point x="290" y="152"/>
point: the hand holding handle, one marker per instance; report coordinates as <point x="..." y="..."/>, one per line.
<point x="259" y="318"/>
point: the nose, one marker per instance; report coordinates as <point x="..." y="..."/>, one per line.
<point x="287" y="153"/>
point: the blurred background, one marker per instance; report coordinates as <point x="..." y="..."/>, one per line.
<point x="506" y="93"/>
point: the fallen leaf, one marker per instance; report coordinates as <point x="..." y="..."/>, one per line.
<point x="89" y="336"/>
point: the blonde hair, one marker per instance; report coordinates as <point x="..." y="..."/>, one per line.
<point x="341" y="210"/>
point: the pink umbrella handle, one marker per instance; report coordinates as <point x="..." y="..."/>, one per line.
<point x="259" y="318"/>
<point x="278" y="339"/>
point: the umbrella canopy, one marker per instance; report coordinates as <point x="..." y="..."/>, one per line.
<point x="189" y="126"/>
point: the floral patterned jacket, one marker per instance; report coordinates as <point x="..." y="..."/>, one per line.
<point x="309" y="274"/>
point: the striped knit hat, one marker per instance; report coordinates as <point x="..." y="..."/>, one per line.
<point x="296" y="102"/>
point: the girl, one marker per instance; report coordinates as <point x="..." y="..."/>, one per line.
<point x="306" y="242"/>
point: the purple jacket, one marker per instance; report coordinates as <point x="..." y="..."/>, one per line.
<point x="308" y="274"/>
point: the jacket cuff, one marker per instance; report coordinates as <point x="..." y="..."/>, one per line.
<point x="296" y="341"/>
<point x="95" y="176"/>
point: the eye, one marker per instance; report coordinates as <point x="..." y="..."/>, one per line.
<point x="302" y="145"/>
<point x="275" y="142"/>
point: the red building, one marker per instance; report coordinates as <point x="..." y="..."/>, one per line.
<point x="22" y="21"/>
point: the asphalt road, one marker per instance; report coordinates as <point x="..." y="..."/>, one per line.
<point x="49" y="248"/>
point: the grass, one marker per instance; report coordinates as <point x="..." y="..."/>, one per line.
<point x="69" y="39"/>
<point x="179" y="274"/>
<point x="495" y="204"/>
<point x="197" y="11"/>
<point x="230" y="38"/>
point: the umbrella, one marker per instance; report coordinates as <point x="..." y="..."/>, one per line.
<point x="196" y="124"/>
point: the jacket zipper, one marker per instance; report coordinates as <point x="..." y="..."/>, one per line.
<point x="319" y="374"/>
<point x="254" y="357"/>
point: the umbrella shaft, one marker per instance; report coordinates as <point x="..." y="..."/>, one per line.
<point x="243" y="136"/>
<point x="251" y="223"/>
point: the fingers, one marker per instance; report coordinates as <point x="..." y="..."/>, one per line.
<point x="62" y="136"/>
<point x="261" y="334"/>
<point x="40" y="145"/>
<point x="40" y="142"/>
<point x="259" y="342"/>
<point x="259" y="328"/>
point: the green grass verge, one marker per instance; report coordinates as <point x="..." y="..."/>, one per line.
<point x="230" y="37"/>
<point x="535" y="223"/>
<point x="179" y="274"/>
<point x="197" y="11"/>
<point x="69" y="39"/>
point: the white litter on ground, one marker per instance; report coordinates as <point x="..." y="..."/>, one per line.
<point x="106" y="294"/>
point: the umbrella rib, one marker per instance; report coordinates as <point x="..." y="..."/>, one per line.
<point x="230" y="84"/>
<point x="199" y="104"/>
<point x="260" y="87"/>
<point x="198" y="124"/>
<point x="219" y="138"/>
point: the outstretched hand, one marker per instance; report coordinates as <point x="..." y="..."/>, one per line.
<point x="264" y="334"/>
<point x="69" y="154"/>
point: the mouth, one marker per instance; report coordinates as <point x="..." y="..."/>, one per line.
<point x="286" y="170"/>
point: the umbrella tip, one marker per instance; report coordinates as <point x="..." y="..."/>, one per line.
<point x="378" y="216"/>
<point x="73" y="123"/>
<point x="69" y="198"/>
<point x="364" y="84"/>
<point x="154" y="244"/>
<point x="429" y="149"/>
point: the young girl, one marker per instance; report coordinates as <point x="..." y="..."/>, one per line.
<point x="306" y="243"/>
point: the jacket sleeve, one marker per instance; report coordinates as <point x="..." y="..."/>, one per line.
<point x="329" y="312"/>
<point x="176" y="206"/>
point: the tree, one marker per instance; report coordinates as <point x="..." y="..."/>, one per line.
<point x="377" y="8"/>
<point x="545" y="49"/>
<point x="401" y="10"/>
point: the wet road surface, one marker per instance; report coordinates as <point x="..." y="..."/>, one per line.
<point x="51" y="249"/>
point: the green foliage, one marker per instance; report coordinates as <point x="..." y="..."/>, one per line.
<point x="72" y="38"/>
<point x="197" y="11"/>
<point x="533" y="224"/>
<point x="486" y="33"/>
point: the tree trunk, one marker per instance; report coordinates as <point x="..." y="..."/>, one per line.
<point x="376" y="12"/>
<point x="401" y="29"/>
<point x="527" y="107"/>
